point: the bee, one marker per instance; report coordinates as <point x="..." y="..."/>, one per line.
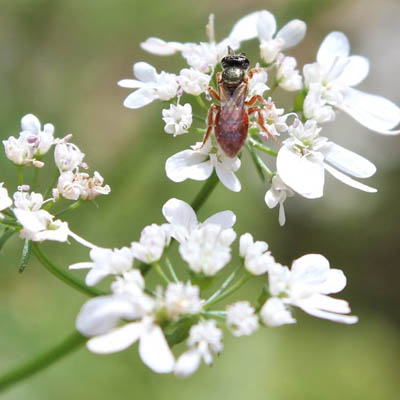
<point x="230" y="119"/>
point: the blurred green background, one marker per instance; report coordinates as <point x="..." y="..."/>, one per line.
<point x="61" y="60"/>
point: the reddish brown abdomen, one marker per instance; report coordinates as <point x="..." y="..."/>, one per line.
<point x="231" y="130"/>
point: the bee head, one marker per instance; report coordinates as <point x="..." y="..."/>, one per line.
<point x="235" y="60"/>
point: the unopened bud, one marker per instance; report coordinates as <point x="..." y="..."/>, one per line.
<point x="38" y="164"/>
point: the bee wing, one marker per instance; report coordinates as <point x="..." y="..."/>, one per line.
<point x="236" y="100"/>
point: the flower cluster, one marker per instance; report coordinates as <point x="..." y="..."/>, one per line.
<point x="135" y="312"/>
<point x="323" y="88"/>
<point x="29" y="210"/>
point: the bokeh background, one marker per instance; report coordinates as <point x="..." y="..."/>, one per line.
<point x="61" y="60"/>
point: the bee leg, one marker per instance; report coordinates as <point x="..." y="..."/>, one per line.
<point x="255" y="70"/>
<point x="210" y="122"/>
<point x="258" y="98"/>
<point x="213" y="93"/>
<point x="260" y="121"/>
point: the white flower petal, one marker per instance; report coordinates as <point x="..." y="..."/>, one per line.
<point x="130" y="83"/>
<point x="99" y="315"/>
<point x="145" y="72"/>
<point x="95" y="275"/>
<point x="187" y="363"/>
<point x="246" y="27"/>
<point x="224" y="218"/>
<point x="304" y="174"/>
<point x="275" y="313"/>
<point x="310" y="269"/>
<point x="228" y="178"/>
<point x="282" y="216"/>
<point x="355" y="71"/>
<point x="266" y="25"/>
<point x="117" y="340"/>
<point x="348" y="162"/>
<point x="30" y="123"/>
<point x="349" y="181"/>
<point x="292" y="33"/>
<point x="374" y="112"/>
<point x="155" y="352"/>
<point x="178" y="212"/>
<point x="29" y="220"/>
<point x="335" y="45"/>
<point x="344" y="319"/>
<point x="138" y="99"/>
<point x="81" y="265"/>
<point x="188" y="164"/>
<point x="160" y="47"/>
<point x="335" y="282"/>
<point x="327" y="303"/>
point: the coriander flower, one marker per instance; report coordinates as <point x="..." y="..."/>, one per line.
<point x="150" y="86"/>
<point x="28" y="201"/>
<point x="307" y="286"/>
<point x="270" y="44"/>
<point x="257" y="83"/>
<point x="207" y="249"/>
<point x="178" y="119"/>
<point x="105" y="262"/>
<point x="182" y="299"/>
<point x="153" y="240"/>
<point x="199" y="163"/>
<point x="41" y="140"/>
<point x="205" y="340"/>
<point x="287" y="76"/>
<point x="193" y="82"/>
<point x="67" y="157"/>
<point x="277" y="194"/>
<point x="99" y="319"/>
<point x="304" y="157"/>
<point x="257" y="259"/>
<point x="5" y="200"/>
<point x="241" y="319"/>
<point x="183" y="221"/>
<point x="274" y="119"/>
<point x="330" y="82"/>
<point x="40" y="225"/>
<point x="19" y="151"/>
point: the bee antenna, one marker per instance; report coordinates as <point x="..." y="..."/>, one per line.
<point x="230" y="51"/>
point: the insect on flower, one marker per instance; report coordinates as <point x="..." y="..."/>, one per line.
<point x="230" y="119"/>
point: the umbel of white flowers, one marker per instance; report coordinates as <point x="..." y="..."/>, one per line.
<point x="324" y="87"/>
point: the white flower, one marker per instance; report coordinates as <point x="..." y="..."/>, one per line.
<point x="258" y="83"/>
<point x="257" y="258"/>
<point x="150" y="86"/>
<point x="315" y="105"/>
<point x="130" y="283"/>
<point x="153" y="240"/>
<point x="275" y="313"/>
<point x="331" y="78"/>
<point x="193" y="81"/>
<point x="270" y="44"/>
<point x="28" y="201"/>
<point x="183" y="221"/>
<point x="307" y="286"/>
<point x="181" y="299"/>
<point x="178" y="119"/>
<point x="304" y="157"/>
<point x="39" y="226"/>
<point x="75" y="185"/>
<point x="19" y="151"/>
<point x="205" y="340"/>
<point x="207" y="249"/>
<point x="274" y="119"/>
<point x="41" y="140"/>
<point x="277" y="194"/>
<point x="287" y="76"/>
<point x="100" y="316"/>
<point x="67" y="157"/>
<point x="205" y="55"/>
<point x="241" y="318"/>
<point x="5" y="200"/>
<point x="105" y="262"/>
<point x="199" y="163"/>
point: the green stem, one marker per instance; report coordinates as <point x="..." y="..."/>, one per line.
<point x="237" y="285"/>
<point x="70" y="343"/>
<point x="54" y="181"/>
<point x="9" y="222"/>
<point x="160" y="272"/>
<point x="64" y="276"/>
<point x="259" y="146"/>
<point x="20" y="169"/>
<point x="230" y="278"/>
<point x="201" y="103"/>
<point x="202" y="119"/>
<point x="35" y="178"/>
<point x="171" y="269"/>
<point x="71" y="207"/>
<point x="214" y="314"/>
<point x="205" y="191"/>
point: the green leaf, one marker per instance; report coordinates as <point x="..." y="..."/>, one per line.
<point x="5" y="236"/>
<point x="26" y="253"/>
